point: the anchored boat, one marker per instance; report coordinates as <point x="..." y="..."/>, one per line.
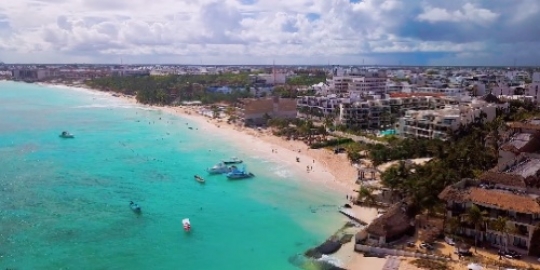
<point x="186" y="224"/>
<point x="199" y="179"/>
<point x="239" y="174"/>
<point x="219" y="169"/>
<point x="135" y="207"/>
<point x="66" y="135"/>
<point x="233" y="160"/>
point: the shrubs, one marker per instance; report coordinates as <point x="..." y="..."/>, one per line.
<point x="331" y="142"/>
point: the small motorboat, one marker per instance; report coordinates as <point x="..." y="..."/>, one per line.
<point x="239" y="174"/>
<point x="199" y="179"/>
<point x="186" y="224"/>
<point x="135" y="207"/>
<point x="190" y="128"/>
<point x="66" y="135"/>
<point x="233" y="160"/>
<point x="219" y="169"/>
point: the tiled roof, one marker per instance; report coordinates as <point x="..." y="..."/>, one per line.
<point x="494" y="198"/>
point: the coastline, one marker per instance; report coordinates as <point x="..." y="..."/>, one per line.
<point x="332" y="172"/>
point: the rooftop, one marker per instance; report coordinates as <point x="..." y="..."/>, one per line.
<point x="518" y="141"/>
<point x="495" y="198"/>
<point x="527" y="168"/>
<point x="394" y="222"/>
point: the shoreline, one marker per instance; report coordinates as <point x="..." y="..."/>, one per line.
<point x="332" y="173"/>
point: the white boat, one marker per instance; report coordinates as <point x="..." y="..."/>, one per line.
<point x="186" y="224"/>
<point x="218" y="169"/>
<point x="233" y="160"/>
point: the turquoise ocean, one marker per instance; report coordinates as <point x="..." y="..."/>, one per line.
<point x="64" y="202"/>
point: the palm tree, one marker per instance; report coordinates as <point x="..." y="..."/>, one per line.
<point x="500" y="225"/>
<point x="475" y="217"/>
<point x="452" y="225"/>
<point x="215" y="111"/>
<point x="365" y="195"/>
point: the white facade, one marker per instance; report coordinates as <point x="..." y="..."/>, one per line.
<point x="435" y="124"/>
<point x="339" y="85"/>
<point x="368" y="85"/>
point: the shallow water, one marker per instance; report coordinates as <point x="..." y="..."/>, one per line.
<point x="64" y="202"/>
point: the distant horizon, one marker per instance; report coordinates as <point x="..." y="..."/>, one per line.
<point x="270" y="65"/>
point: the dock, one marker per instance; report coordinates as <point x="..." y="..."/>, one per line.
<point x="350" y="214"/>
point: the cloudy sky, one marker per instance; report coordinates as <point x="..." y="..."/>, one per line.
<point x="410" y="32"/>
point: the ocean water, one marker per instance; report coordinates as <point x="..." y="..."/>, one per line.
<point x="64" y="202"/>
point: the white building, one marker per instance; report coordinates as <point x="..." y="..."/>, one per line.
<point x="435" y="124"/>
<point x="339" y="84"/>
<point x="371" y="83"/>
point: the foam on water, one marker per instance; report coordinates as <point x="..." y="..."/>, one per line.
<point x="64" y="202"/>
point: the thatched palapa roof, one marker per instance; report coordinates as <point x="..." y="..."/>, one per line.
<point x="394" y="222"/>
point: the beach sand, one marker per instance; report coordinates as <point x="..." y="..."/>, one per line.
<point x="334" y="172"/>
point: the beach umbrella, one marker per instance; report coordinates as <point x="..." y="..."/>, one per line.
<point x="474" y="266"/>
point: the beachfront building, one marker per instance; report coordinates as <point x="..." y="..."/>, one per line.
<point x="367" y="114"/>
<point x="256" y="111"/>
<point x="33" y="74"/>
<point x="435" y="124"/>
<point x="319" y="106"/>
<point x="392" y="225"/>
<point x="374" y="112"/>
<point x="510" y="195"/>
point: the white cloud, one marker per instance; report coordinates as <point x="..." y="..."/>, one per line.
<point x="468" y="13"/>
<point x="252" y="31"/>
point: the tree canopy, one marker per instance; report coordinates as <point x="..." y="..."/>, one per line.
<point x="164" y="90"/>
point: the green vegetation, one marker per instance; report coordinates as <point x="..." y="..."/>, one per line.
<point x="298" y="129"/>
<point x="331" y="142"/>
<point x="470" y="151"/>
<point x="164" y="90"/>
<point x="307" y="79"/>
<point x="285" y="91"/>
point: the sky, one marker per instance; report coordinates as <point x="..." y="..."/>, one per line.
<point x="287" y="32"/>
